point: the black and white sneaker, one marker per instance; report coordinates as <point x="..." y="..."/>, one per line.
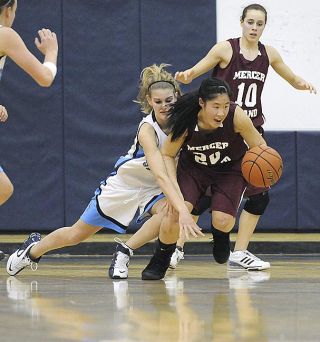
<point x="159" y="263"/>
<point x="245" y="260"/>
<point x="2" y="255"/>
<point x="120" y="261"/>
<point x="20" y="258"/>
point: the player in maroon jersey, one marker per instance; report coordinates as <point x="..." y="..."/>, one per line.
<point x="209" y="131"/>
<point x="243" y="63"/>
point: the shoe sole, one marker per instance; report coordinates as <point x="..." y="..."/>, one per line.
<point x="150" y="276"/>
<point x="241" y="268"/>
<point x="111" y="276"/>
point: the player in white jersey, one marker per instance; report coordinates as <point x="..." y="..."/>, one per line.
<point x="12" y="45"/>
<point x="129" y="187"/>
<point x="134" y="184"/>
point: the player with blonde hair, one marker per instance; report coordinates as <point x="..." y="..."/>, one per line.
<point x="139" y="181"/>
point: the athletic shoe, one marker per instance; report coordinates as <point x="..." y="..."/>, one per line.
<point x="20" y="258"/>
<point x="177" y="255"/>
<point x="159" y="263"/>
<point x="246" y="260"/>
<point x="2" y="255"/>
<point x="221" y="246"/>
<point x="120" y="261"/>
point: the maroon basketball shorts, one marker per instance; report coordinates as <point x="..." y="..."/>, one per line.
<point x="227" y="185"/>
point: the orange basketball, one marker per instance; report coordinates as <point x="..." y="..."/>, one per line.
<point x="262" y="166"/>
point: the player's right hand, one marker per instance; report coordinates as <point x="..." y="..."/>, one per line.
<point x="185" y="77"/>
<point x="188" y="226"/>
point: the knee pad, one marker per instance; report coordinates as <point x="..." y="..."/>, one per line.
<point x="257" y="204"/>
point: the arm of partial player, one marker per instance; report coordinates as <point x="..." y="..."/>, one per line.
<point x="147" y="139"/>
<point x="244" y="126"/>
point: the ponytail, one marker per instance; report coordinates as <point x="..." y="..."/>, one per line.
<point x="184" y="114"/>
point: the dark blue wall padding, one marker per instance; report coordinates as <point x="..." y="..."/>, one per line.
<point x="177" y="32"/>
<point x="101" y="73"/>
<point x="308" y="179"/>
<point x="32" y="139"/>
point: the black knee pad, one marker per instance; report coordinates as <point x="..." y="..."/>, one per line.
<point x="257" y="204"/>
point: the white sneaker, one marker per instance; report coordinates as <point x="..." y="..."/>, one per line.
<point x="20" y="258"/>
<point x="120" y="261"/>
<point x="246" y="260"/>
<point x="175" y="258"/>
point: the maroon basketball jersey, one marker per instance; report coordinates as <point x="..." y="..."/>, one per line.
<point x="219" y="148"/>
<point x="246" y="79"/>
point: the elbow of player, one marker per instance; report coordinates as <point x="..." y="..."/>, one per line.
<point x="45" y="81"/>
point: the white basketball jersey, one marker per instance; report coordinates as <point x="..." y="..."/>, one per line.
<point x="133" y="169"/>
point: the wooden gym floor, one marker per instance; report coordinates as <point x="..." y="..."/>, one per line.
<point x="72" y="299"/>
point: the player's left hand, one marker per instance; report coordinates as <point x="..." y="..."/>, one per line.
<point x="304" y="85"/>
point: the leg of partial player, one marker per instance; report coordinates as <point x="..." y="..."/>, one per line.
<point x="241" y="258"/>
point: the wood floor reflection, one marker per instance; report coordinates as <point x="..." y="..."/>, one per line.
<point x="72" y="299"/>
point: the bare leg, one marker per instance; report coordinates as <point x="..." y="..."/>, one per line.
<point x="241" y="258"/>
<point x="66" y="236"/>
<point x="247" y="225"/>
<point x="6" y="188"/>
<point x="169" y="229"/>
<point x="148" y="232"/>
<point x="150" y="229"/>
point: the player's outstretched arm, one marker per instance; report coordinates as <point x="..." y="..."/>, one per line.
<point x="218" y="53"/>
<point x="147" y="139"/>
<point x="244" y="126"/>
<point x="13" y="46"/>
<point x="286" y="73"/>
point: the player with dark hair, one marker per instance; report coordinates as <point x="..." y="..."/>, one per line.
<point x="212" y="134"/>
<point x="11" y="45"/>
<point x="243" y="63"/>
<point x="139" y="181"/>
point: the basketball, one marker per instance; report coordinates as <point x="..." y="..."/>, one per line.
<point x="262" y="166"/>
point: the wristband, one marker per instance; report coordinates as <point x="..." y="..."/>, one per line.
<point x="52" y="67"/>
